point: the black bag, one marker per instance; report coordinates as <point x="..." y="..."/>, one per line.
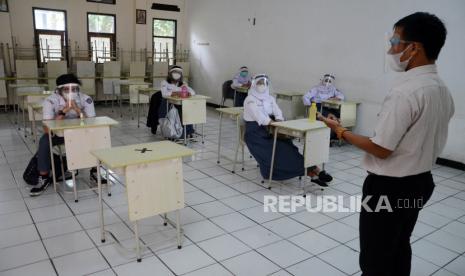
<point x="31" y="173"/>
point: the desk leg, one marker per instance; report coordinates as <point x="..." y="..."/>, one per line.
<point x="113" y="97"/>
<point x="74" y="187"/>
<point x="52" y="161"/>
<point x="234" y="100"/>
<point x="178" y="228"/>
<point x="237" y="144"/>
<point x="136" y="234"/>
<point x="165" y="219"/>
<point x="33" y="130"/>
<point x="24" y="117"/>
<point x="272" y="157"/>
<point x="17" y="111"/>
<point x="203" y="140"/>
<point x="219" y="138"/>
<point x="138" y="108"/>
<point x="100" y="201"/>
<point x="120" y="103"/>
<point x="185" y="135"/>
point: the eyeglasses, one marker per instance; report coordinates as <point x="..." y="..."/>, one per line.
<point x="396" y="41"/>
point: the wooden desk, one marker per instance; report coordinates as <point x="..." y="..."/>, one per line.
<point x="128" y="83"/>
<point x="236" y="113"/>
<point x="34" y="109"/>
<point x="25" y="98"/>
<point x="315" y="136"/>
<point x="194" y="111"/>
<point x="81" y="137"/>
<point x="347" y="110"/>
<point x="291" y="104"/>
<point x="154" y="181"/>
<point x="15" y="87"/>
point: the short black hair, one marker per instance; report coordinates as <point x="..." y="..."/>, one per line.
<point x="425" y="28"/>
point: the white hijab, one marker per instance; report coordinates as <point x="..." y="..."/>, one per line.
<point x="262" y="96"/>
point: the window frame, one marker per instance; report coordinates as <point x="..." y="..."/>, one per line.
<point x="63" y="34"/>
<point x="105" y="35"/>
<point x="175" y="37"/>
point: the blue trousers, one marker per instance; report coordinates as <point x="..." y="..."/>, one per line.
<point x="43" y="153"/>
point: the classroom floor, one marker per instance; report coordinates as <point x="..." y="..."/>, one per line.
<point x="226" y="230"/>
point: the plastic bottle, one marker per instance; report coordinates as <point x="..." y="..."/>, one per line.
<point x="184" y="92"/>
<point x="312" y="113"/>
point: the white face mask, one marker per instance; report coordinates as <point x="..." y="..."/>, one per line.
<point x="395" y="63"/>
<point x="261" y="88"/>
<point x="176" y="76"/>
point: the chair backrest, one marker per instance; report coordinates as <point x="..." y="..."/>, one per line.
<point x="228" y="92"/>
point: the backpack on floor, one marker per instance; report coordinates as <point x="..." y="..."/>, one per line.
<point x="31" y="173"/>
<point x="171" y="127"/>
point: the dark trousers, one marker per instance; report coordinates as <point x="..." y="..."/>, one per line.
<point x="385" y="236"/>
<point x="43" y="152"/>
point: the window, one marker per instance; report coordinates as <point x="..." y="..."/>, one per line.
<point x="101" y="34"/>
<point x="50" y="34"/>
<point x="164" y="38"/>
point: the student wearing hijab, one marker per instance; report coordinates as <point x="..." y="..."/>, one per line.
<point x="241" y="80"/>
<point x="260" y="110"/>
<point x="172" y="86"/>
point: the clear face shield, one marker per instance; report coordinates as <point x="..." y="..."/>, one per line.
<point x="261" y="83"/>
<point x="70" y="92"/>
<point x="328" y="80"/>
<point x="176" y="74"/>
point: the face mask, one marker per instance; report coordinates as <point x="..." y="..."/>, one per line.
<point x="176" y="76"/>
<point x="243" y="74"/>
<point x="395" y="63"/>
<point x="261" y="88"/>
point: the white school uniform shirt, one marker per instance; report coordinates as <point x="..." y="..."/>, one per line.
<point x="321" y="93"/>
<point x="168" y="88"/>
<point x="259" y="109"/>
<point x="413" y="123"/>
<point x="55" y="102"/>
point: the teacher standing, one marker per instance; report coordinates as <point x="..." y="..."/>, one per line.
<point x="410" y="134"/>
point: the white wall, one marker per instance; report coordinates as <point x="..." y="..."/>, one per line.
<point x="295" y="42"/>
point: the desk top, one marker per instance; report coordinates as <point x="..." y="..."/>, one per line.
<point x="124" y="83"/>
<point x="195" y="97"/>
<point x="78" y="123"/>
<point x="338" y="102"/>
<point x="299" y="125"/>
<point x="123" y="156"/>
<point x="35" y="106"/>
<point x="149" y="89"/>
<point x="290" y="93"/>
<point x="42" y="93"/>
<point x="20" y="85"/>
<point x="231" y="110"/>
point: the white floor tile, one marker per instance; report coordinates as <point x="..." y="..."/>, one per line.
<point x="457" y="266"/>
<point x="91" y="220"/>
<point x="202" y="230"/>
<point x="256" y="236"/>
<point x="215" y="269"/>
<point x="343" y="258"/>
<point x="116" y="255"/>
<point x="197" y="197"/>
<point x="223" y="247"/>
<point x="57" y="227"/>
<point x="148" y="267"/>
<point x="433" y="253"/>
<point x="250" y="263"/>
<point x="81" y="263"/>
<point x="258" y="215"/>
<point x="21" y="255"/>
<point x="18" y="235"/>
<point x="285" y="227"/>
<point x="240" y="202"/>
<point x="213" y="209"/>
<point x="187" y="259"/>
<point x="313" y="242"/>
<point x="50" y="213"/>
<point x="456" y="228"/>
<point x="13" y="220"/>
<point x="67" y="244"/>
<point x="311" y="219"/>
<point x="314" y="267"/>
<point x="421" y="267"/>
<point x="284" y="253"/>
<point x="12" y="207"/>
<point x="222" y="192"/>
<point x="233" y="222"/>
<point x="40" y="268"/>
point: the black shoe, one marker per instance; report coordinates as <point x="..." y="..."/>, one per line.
<point x="93" y="176"/>
<point x="42" y="183"/>
<point x="323" y="176"/>
<point x="319" y="182"/>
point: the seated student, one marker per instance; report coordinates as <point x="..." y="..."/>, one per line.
<point x="324" y="91"/>
<point x="172" y="86"/>
<point x="66" y="103"/>
<point x="260" y="109"/>
<point x="241" y="80"/>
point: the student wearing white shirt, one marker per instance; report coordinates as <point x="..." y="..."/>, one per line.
<point x="410" y="134"/>
<point x="173" y="86"/>
<point x="241" y="80"/>
<point x="260" y="109"/>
